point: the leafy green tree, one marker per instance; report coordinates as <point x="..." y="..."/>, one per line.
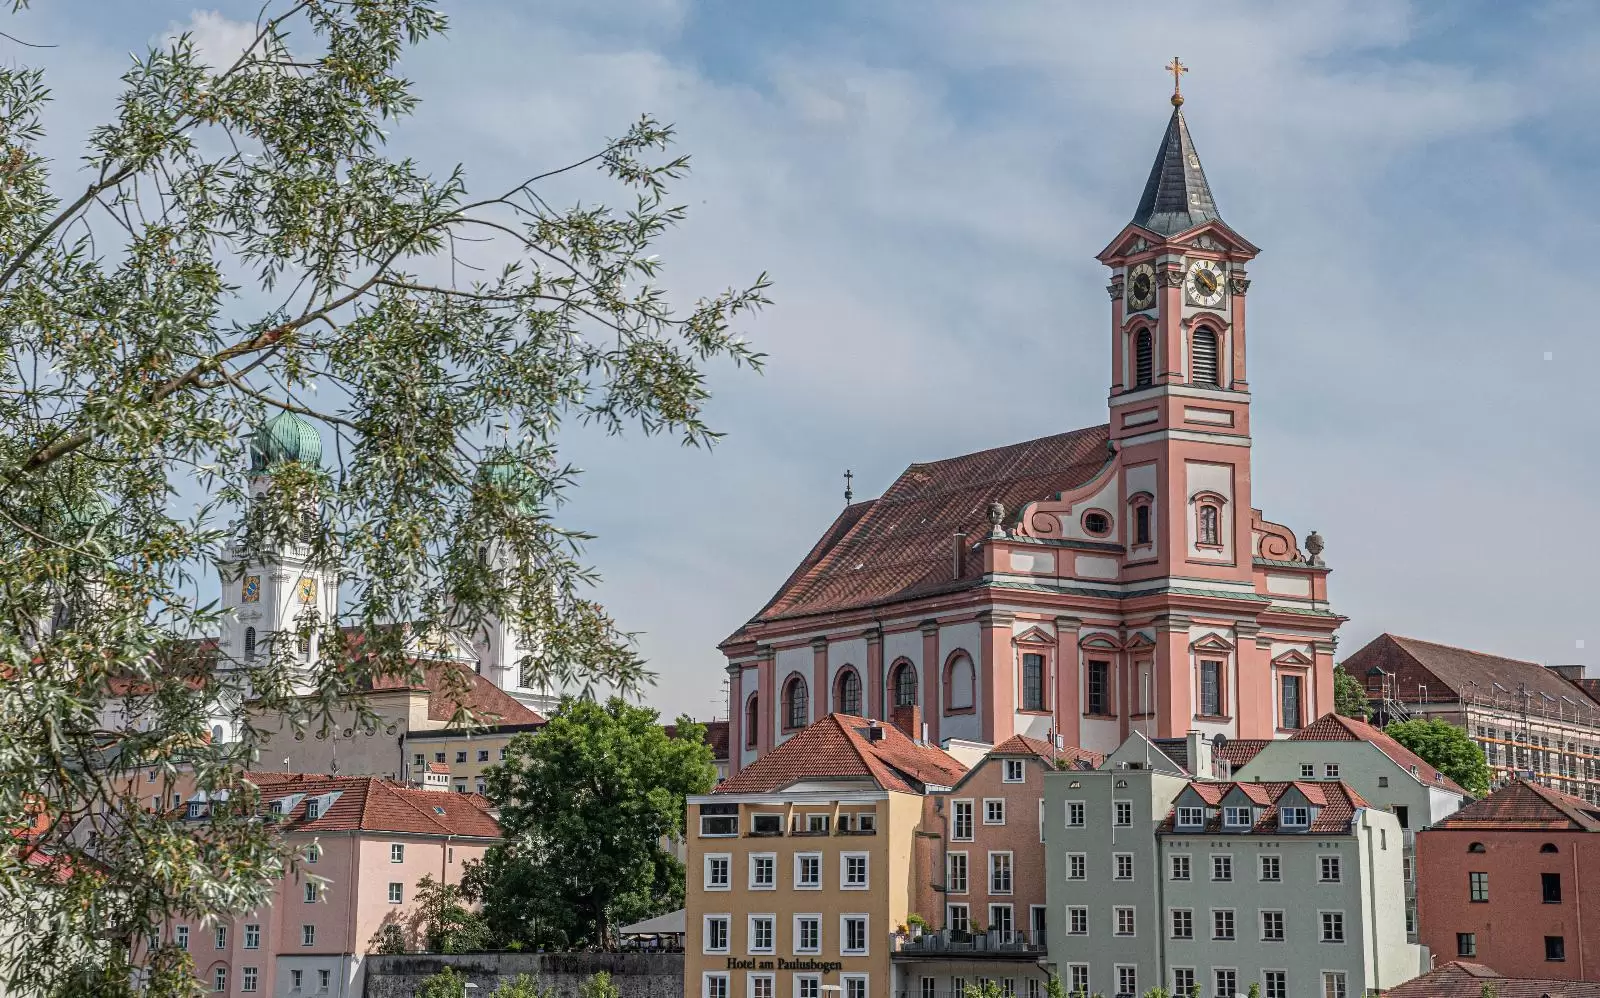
<point x="1254" y="991"/>
<point x="588" y="805"/>
<point x="1158" y="992"/>
<point x="523" y="986"/>
<point x="444" y="922"/>
<point x="982" y="989"/>
<point x="447" y="983"/>
<point x="1446" y="748"/>
<point x="1053" y="988"/>
<point x="1349" y="696"/>
<point x="598" y="985"/>
<point x="235" y="242"/>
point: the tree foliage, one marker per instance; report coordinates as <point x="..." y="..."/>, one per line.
<point x="444" y="922"/>
<point x="1446" y="748"/>
<point x="587" y="806"/>
<point x="236" y="241"/>
<point x="1349" y="696"/>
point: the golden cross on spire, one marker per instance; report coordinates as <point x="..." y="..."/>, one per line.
<point x="1177" y="69"/>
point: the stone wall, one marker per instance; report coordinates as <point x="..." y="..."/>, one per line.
<point x="636" y="975"/>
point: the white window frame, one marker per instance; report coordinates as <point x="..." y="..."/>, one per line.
<point x="1172" y="923"/>
<point x="252" y="936"/>
<point x="726" y="991"/>
<point x="750" y="934"/>
<point x="1322" y="932"/>
<point x="1116" y="921"/>
<point x="249" y="978"/>
<point x="1083" y="814"/>
<point x="949" y="869"/>
<point x="1117" y="807"/>
<point x="800" y="884"/>
<point x="397" y="892"/>
<point x="1011" y="873"/>
<point x="768" y="976"/>
<point x="844" y="868"/>
<point x="844" y="933"/>
<point x="955" y="824"/>
<point x="1274" y="970"/>
<point x="999" y="802"/>
<point x="1186" y="817"/>
<point x="1071" y="908"/>
<point x="1021" y="771"/>
<point x="1116" y="866"/>
<point x="1261" y="869"/>
<point x="1178" y="991"/>
<point x="1283" y="924"/>
<point x="1338" y="868"/>
<point x="1232" y="970"/>
<point x="726" y="918"/>
<point x="812" y="950"/>
<point x="1308" y="770"/>
<point x="397" y="852"/>
<point x="727" y="860"/>
<point x="1302" y="816"/>
<point x="1221" y="880"/>
<point x="1233" y="924"/>
<point x="1188" y="867"/>
<point x="1078" y="861"/>
<point x="1344" y="982"/>
<point x="800" y="980"/>
<point x="1073" y="985"/>
<point x="754" y="857"/>
<point x="1116" y="975"/>
<point x="308" y="935"/>
<point x="1233" y="812"/>
<point x="1330" y="771"/>
<point x="846" y="980"/>
<point x="949" y="910"/>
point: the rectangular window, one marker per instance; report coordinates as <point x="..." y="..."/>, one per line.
<point x="1211" y="688"/>
<point x="766" y="824"/>
<point x="294" y="979"/>
<point x="1124" y="922"/>
<point x="1333" y="984"/>
<point x="219" y="980"/>
<point x="999" y="873"/>
<point x="1330" y="869"/>
<point x="308" y="935"/>
<point x="854" y="987"/>
<point x="1036" y="921"/>
<point x="1077" y="866"/>
<point x="1478" y="887"/>
<point x="1330" y="770"/>
<point x="1075" y="814"/>
<point x="247" y="979"/>
<point x="418" y="761"/>
<point x="1550" y="886"/>
<point x="719" y="820"/>
<point x="763" y="872"/>
<point x="1466" y="944"/>
<point x="396" y="892"/>
<point x="1182" y="923"/>
<point x="252" y="937"/>
<point x="1122" y="813"/>
<point x="762" y="934"/>
<point x="322" y="981"/>
<point x="1277" y="982"/>
<point x="716" y="934"/>
<point x="810" y="986"/>
<point x="1236" y="817"/>
<point x="1308" y="771"/>
<point x="1222" y="923"/>
<point x="1078" y="974"/>
<point x="1127" y="980"/>
<point x="763" y="986"/>
<point x="1289" y="702"/>
<point x="955" y="877"/>
<point x="808" y="933"/>
<point x="853" y="871"/>
<point x="961" y="820"/>
<point x="1555" y="948"/>
<point x="1122" y="866"/>
<point x="1180" y="867"/>
<point x="1001" y="923"/>
<point x="957" y="917"/>
<point x="1032" y="682"/>
<point x="1333" y="926"/>
<point x="1099" y="688"/>
<point x="312" y="892"/>
<point x="221" y="937"/>
<point x="1271" y="869"/>
<point x="1227" y="983"/>
<point x="1182" y="982"/>
<point x="1077" y="920"/>
<point x="719" y="872"/>
<point x="1272" y="926"/>
<point x="1222" y="868"/>
<point x="1295" y="817"/>
<point x="1191" y="817"/>
<point x="853" y="935"/>
<point x="930" y="987"/>
<point x="1015" y="771"/>
<point x="994" y="812"/>
<point x="397" y="852"/>
<point x="461" y="755"/>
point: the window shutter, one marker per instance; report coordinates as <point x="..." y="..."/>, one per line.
<point x="1143" y="359"/>
<point x="1203" y="364"/>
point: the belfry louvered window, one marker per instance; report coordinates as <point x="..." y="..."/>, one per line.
<point x="1203" y="364"/>
<point x="1144" y="359"/>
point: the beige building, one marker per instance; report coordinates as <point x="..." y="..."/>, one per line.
<point x="802" y="868"/>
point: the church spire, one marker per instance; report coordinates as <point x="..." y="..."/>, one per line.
<point x="1176" y="197"/>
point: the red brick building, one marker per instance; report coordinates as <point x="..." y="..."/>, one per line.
<point x="1501" y="882"/>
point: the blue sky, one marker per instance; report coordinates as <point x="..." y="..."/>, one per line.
<point x="928" y="184"/>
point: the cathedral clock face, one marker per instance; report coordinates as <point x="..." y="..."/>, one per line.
<point x="308" y="589"/>
<point x="1204" y="283"/>
<point x="1141" y="287"/>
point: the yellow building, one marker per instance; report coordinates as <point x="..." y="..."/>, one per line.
<point x="465" y="753"/>
<point x="803" y="867"/>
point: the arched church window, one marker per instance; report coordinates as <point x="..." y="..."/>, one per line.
<point x="1141" y="523"/>
<point x="905" y="685"/>
<point x="1476" y="847"/>
<point x="752" y="719"/>
<point x="849" y="693"/>
<point x="249" y="643"/>
<point x="959" y="683"/>
<point x="1203" y="360"/>
<point x="1208" y="524"/>
<point x="796" y="703"/>
<point x="1144" y="358"/>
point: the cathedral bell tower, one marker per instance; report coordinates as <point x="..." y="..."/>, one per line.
<point x="1180" y="398"/>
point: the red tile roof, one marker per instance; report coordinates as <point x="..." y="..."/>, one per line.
<point x="1239" y="751"/>
<point x="716" y="737"/>
<point x="1066" y="757"/>
<point x="1338" y="728"/>
<point x="1523" y="804"/>
<point x="488" y="703"/>
<point x="1335" y="800"/>
<point x="837" y="747"/>
<point x="898" y="546"/>
<point x="1459" y="979"/>
<point x="1442" y="672"/>
<point x="371" y="803"/>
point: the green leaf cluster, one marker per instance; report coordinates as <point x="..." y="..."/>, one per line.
<point x="1349" y="696"/>
<point x="1448" y="749"/>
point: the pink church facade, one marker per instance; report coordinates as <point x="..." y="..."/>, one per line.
<point x="1084" y="585"/>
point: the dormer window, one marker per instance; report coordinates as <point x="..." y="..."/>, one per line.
<point x="313" y="809"/>
<point x="196" y="808"/>
<point x="1295" y="817"/>
<point x="1236" y="817"/>
<point x="1191" y="817"/>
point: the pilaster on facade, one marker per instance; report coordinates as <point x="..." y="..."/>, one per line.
<point x="997" y="673"/>
<point x="875" y="677"/>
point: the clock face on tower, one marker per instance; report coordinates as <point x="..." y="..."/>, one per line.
<point x="1141" y="287"/>
<point x="1204" y="283"/>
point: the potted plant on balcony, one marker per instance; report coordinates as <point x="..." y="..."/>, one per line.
<point x="917" y="924"/>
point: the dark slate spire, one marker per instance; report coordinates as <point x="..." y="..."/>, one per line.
<point x="1176" y="197"/>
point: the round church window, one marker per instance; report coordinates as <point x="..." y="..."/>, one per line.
<point x="1097" y="523"/>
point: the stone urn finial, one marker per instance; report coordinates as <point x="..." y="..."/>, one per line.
<point x="1314" y="547"/>
<point x="997" y="513"/>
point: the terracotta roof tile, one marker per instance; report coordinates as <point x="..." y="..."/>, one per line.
<point x="1442" y="672"/>
<point x="898" y="546"/>
<point x="1336" y="801"/>
<point x="1240" y="750"/>
<point x="371" y="803"/>
<point x="488" y="703"/>
<point x="1526" y="805"/>
<point x="1068" y="756"/>
<point x="1466" y="980"/>
<point x="837" y="748"/>
<point x="1338" y="728"/>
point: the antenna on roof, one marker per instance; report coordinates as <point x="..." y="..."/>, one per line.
<point x="848" y="494"/>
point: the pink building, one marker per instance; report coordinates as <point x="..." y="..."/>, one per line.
<point x="1088" y="584"/>
<point x="363" y="844"/>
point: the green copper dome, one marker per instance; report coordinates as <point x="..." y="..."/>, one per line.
<point x="504" y="471"/>
<point x="285" y="437"/>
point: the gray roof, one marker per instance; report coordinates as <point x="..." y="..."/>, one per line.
<point x="1176" y="197"/>
<point x="670" y="924"/>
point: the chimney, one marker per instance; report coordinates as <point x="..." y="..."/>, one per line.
<point x="874" y="733"/>
<point x="908" y="720"/>
<point x="1200" y="764"/>
<point x="1572" y="673"/>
